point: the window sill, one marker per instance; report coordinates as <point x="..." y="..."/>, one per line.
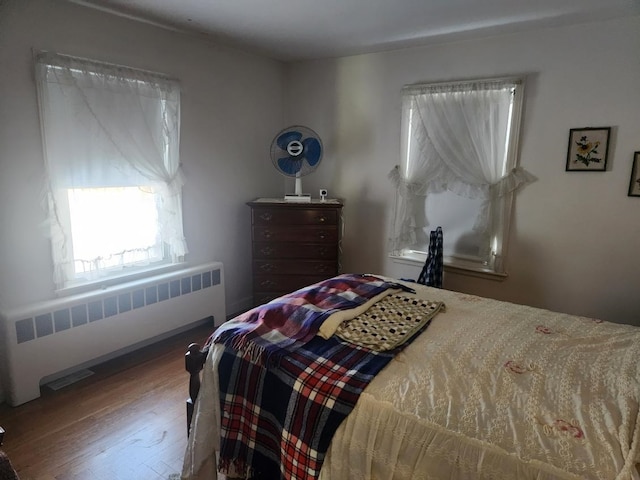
<point x="418" y="260"/>
<point x="115" y="280"/>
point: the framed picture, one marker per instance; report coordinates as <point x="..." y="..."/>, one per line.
<point x="634" y="183"/>
<point x="588" y="149"/>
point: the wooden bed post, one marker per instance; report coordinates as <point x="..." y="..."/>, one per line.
<point x="194" y="362"/>
<point x="7" y="471"/>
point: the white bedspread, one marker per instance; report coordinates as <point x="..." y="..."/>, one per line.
<point x="490" y="390"/>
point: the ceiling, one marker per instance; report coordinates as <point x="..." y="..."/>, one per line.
<point x="292" y="30"/>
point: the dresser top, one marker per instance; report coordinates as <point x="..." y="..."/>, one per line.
<point x="315" y="202"/>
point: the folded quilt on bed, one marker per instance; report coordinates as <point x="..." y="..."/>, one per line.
<point x="286" y="323"/>
<point x="278" y="418"/>
<point x="389" y="323"/>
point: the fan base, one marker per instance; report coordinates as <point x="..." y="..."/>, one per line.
<point x="303" y="198"/>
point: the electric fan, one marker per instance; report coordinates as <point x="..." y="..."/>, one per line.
<point x="296" y="151"/>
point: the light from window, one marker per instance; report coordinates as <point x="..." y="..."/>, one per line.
<point x="113" y="228"/>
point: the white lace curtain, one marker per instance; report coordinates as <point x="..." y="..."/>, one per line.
<point x="106" y="125"/>
<point x="455" y="139"/>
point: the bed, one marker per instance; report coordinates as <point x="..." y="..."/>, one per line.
<point x="484" y="390"/>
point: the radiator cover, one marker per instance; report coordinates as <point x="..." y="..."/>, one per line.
<point x="53" y="338"/>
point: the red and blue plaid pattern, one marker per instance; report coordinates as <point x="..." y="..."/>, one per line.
<point x="278" y="420"/>
<point x="290" y="321"/>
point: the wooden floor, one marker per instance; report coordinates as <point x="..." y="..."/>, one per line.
<point x="125" y="422"/>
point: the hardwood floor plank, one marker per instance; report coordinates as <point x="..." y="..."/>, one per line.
<point x="125" y="422"/>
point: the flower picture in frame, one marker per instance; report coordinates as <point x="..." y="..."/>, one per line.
<point x="588" y="149"/>
<point x="634" y="183"/>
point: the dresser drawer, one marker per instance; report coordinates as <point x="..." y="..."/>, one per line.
<point x="301" y="234"/>
<point x="294" y="216"/>
<point x="265" y="297"/>
<point x="283" y="283"/>
<point x="319" y="251"/>
<point x="293" y="245"/>
<point x="327" y="268"/>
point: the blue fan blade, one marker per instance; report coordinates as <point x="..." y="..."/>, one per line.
<point x="289" y="166"/>
<point x="312" y="150"/>
<point x="287" y="137"/>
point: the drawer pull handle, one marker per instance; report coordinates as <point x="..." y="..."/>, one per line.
<point x="266" y="267"/>
<point x="266" y="216"/>
<point x="323" y="252"/>
<point x="321" y="269"/>
<point x="266" y="234"/>
<point x="322" y="219"/>
<point x="267" y="251"/>
<point x="267" y="283"/>
<point x="322" y="235"/>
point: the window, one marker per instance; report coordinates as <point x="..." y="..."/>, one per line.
<point x="114" y="185"/>
<point x="459" y="171"/>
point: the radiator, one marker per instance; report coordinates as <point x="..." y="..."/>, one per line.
<point x="53" y="338"/>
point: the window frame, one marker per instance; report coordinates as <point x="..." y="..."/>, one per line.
<point x="162" y="173"/>
<point x="502" y="207"/>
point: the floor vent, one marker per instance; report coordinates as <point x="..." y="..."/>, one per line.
<point x="69" y="379"/>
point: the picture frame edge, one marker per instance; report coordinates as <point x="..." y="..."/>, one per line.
<point x="634" y="173"/>
<point x="606" y="152"/>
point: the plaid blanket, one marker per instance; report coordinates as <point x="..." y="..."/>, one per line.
<point x="278" y="418"/>
<point x="286" y="323"/>
<point x="277" y="421"/>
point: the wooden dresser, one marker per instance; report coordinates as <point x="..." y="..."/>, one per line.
<point x="294" y="245"/>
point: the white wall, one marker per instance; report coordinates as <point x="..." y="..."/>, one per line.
<point x="574" y="242"/>
<point x="231" y="108"/>
<point x="232" y="105"/>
